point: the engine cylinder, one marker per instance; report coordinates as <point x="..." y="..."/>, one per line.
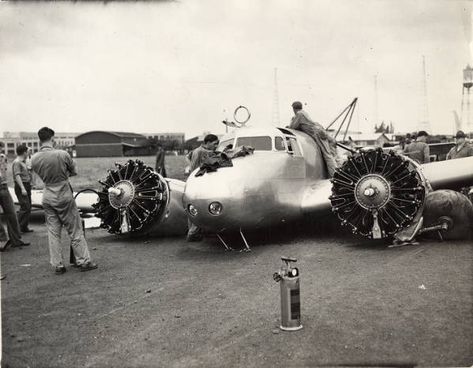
<point x="136" y="199"/>
<point x="377" y="193"/>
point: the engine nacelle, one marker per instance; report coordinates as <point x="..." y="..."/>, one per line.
<point x="136" y="199"/>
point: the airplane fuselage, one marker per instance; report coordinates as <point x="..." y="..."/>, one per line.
<point x="261" y="189"/>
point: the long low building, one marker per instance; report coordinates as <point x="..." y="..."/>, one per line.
<point x="108" y="144"/>
<point x="11" y="140"/>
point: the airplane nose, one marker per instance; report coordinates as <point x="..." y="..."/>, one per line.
<point x="215" y="201"/>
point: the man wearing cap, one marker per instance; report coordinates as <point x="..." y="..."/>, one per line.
<point x="461" y="149"/>
<point x="54" y="168"/>
<point x="301" y="121"/>
<point x="419" y="150"/>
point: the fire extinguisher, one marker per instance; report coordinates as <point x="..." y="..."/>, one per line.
<point x="288" y="277"/>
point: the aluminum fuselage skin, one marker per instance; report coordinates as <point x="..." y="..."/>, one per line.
<point x="262" y="189"/>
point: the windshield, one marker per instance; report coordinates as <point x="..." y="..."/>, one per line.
<point x="258" y="143"/>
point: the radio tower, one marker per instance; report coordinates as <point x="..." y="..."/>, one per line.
<point x="424" y="124"/>
<point x="276" y="119"/>
<point x="376" y="107"/>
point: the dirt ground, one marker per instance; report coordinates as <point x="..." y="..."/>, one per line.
<point x="167" y="303"/>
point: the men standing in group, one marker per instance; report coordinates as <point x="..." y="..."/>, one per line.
<point x="160" y="156"/>
<point x="461" y="149"/>
<point x="419" y="150"/>
<point x="9" y="214"/>
<point x="301" y="121"/>
<point x="22" y="180"/>
<point x="197" y="158"/>
<point x="54" y="168"/>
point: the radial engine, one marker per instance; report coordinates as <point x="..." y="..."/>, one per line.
<point x="382" y="194"/>
<point x="136" y="199"/>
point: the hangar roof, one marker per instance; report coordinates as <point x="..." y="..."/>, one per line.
<point x="118" y="134"/>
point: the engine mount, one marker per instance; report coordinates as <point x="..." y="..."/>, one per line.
<point x="377" y="193"/>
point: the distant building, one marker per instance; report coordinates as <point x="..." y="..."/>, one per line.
<point x="11" y="140"/>
<point x="179" y="137"/>
<point x="369" y="139"/>
<point x="108" y="144"/>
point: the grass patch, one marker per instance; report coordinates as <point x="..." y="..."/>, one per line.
<point x="92" y="169"/>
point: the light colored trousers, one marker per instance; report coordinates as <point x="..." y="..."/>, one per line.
<point x="329" y="154"/>
<point x="60" y="210"/>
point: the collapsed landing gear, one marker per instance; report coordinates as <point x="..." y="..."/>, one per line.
<point x="448" y="214"/>
<point x="228" y="248"/>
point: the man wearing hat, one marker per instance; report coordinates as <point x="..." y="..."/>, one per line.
<point x="461" y="149"/>
<point x="302" y="121"/>
<point x="419" y="150"/>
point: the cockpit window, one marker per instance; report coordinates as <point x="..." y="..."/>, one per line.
<point x="258" y="143"/>
<point x="279" y="144"/>
<point x="293" y="147"/>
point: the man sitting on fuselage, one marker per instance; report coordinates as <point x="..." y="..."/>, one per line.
<point x="301" y="121"/>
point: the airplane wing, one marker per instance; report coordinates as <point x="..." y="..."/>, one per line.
<point x="84" y="200"/>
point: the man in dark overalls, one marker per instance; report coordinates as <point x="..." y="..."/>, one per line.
<point x="9" y="214"/>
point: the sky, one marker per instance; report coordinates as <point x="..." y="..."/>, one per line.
<point x="184" y="66"/>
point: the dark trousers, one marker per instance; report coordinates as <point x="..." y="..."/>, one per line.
<point x="25" y="205"/>
<point x="9" y="215"/>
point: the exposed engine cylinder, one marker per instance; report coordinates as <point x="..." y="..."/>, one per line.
<point x="377" y="193"/>
<point x="135" y="198"/>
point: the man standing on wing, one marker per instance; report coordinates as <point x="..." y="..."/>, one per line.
<point x="54" y="168"/>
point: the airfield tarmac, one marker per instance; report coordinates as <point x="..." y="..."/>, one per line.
<point x="168" y="303"/>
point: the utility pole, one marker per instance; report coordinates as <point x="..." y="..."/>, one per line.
<point x="276" y="118"/>
<point x="424" y="124"/>
<point x="376" y="116"/>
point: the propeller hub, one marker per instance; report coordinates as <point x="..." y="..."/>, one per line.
<point x="121" y="194"/>
<point x="372" y="191"/>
